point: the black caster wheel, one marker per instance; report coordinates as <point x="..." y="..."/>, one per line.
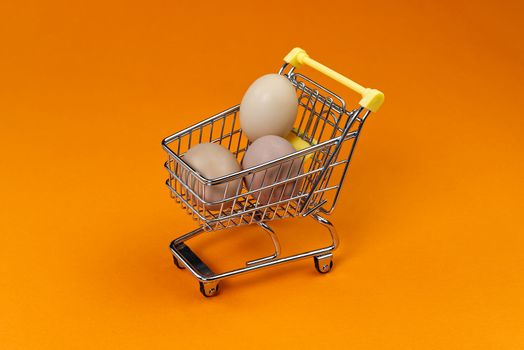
<point x="178" y="264"/>
<point x="323" y="265"/>
<point x="209" y="289"/>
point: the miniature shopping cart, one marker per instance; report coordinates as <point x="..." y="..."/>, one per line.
<point x="326" y="133"/>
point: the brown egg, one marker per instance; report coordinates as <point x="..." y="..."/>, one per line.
<point x="265" y="149"/>
<point x="211" y="160"/>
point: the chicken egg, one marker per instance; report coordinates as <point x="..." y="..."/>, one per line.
<point x="211" y="160"/>
<point x="266" y="149"/>
<point x="269" y="107"/>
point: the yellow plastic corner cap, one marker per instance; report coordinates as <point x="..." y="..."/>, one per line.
<point x="296" y="56"/>
<point x="372" y="99"/>
<point x="298" y="143"/>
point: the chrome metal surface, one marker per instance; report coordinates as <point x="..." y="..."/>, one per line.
<point x="322" y="121"/>
<point x="204" y="274"/>
<point x="276" y="245"/>
<point x="209" y="289"/>
<point x="332" y="132"/>
<point x="324" y="263"/>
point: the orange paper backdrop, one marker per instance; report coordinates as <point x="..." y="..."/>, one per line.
<point x="430" y="219"/>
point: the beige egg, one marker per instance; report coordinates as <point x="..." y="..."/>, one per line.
<point x="211" y="160"/>
<point x="269" y="107"/>
<point x="263" y="150"/>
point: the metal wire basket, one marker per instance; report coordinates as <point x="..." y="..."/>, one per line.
<point x="330" y="132"/>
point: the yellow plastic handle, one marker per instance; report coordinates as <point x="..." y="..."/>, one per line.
<point x="372" y="99"/>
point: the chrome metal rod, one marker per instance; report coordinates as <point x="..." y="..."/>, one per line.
<point x="316" y="252"/>
<point x="330" y="160"/>
<point x="331" y="228"/>
<point x="276" y="245"/>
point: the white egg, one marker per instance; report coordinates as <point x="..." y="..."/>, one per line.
<point x="269" y="107"/>
<point x="211" y="160"/>
<point x="266" y="149"/>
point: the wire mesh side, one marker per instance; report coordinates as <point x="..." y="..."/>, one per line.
<point x="279" y="190"/>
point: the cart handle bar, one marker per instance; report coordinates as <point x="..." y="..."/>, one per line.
<point x="371" y="98"/>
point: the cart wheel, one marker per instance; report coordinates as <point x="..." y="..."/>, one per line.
<point x="323" y="264"/>
<point x="178" y="264"/>
<point x="209" y="289"/>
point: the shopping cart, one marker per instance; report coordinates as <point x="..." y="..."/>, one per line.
<point x="325" y="133"/>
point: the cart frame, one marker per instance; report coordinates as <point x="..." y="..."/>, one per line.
<point x="323" y="124"/>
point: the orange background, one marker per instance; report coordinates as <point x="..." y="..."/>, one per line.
<point x="430" y="221"/>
